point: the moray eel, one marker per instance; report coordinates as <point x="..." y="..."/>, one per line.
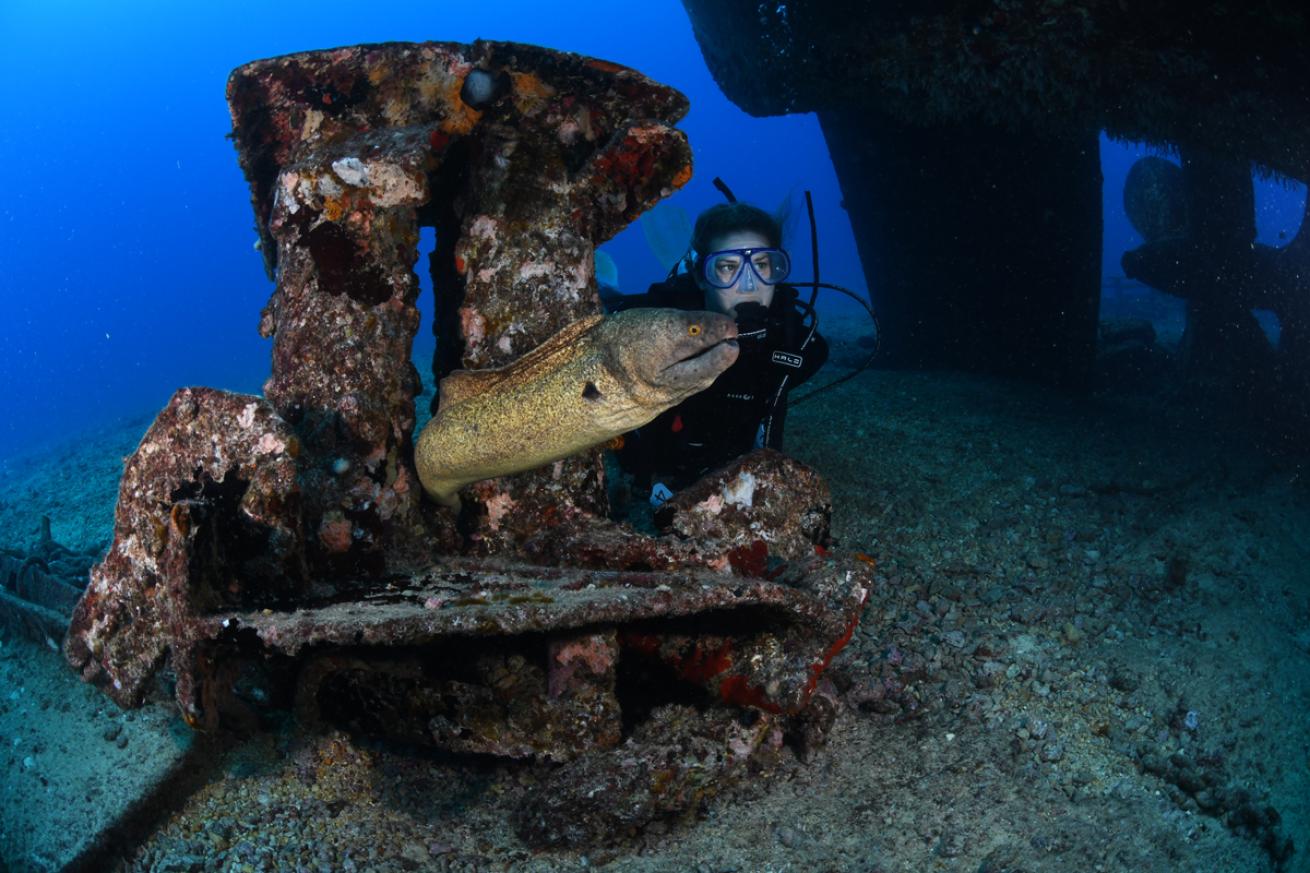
<point x="597" y="378"/>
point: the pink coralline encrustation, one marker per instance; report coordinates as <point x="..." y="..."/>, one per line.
<point x="290" y="528"/>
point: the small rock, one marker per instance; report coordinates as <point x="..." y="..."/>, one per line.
<point x="1052" y="752"/>
<point x="1123" y="680"/>
<point x="415" y="852"/>
<point x="1153" y="763"/>
<point x="951" y="845"/>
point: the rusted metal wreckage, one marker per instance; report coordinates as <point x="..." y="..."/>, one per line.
<point x="286" y="534"/>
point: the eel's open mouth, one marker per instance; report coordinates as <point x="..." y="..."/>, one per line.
<point x="729" y="343"/>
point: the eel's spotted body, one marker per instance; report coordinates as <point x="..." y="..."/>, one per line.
<point x="597" y="378"/>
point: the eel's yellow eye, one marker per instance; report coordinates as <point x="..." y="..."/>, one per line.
<point x="694" y="330"/>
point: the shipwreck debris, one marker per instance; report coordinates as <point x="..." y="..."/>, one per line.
<point x="40" y="586"/>
<point x="283" y="540"/>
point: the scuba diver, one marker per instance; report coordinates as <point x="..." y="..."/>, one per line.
<point x="736" y="266"/>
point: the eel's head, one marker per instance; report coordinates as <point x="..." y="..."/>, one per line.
<point x="667" y="355"/>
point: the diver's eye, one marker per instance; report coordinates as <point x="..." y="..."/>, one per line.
<point x="694" y="330"/>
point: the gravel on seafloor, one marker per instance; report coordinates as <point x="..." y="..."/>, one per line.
<point x="1086" y="650"/>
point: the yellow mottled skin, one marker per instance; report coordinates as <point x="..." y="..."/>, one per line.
<point x="597" y="378"/>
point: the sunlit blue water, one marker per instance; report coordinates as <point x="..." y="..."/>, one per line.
<point x="127" y="265"/>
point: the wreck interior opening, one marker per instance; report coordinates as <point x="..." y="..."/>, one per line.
<point x="480" y="690"/>
<point x="425" y="341"/>
<point x="439" y="224"/>
<point x="645" y="682"/>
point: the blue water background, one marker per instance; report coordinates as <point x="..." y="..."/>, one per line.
<point x="127" y="266"/>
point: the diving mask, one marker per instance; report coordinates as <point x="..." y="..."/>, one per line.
<point x="721" y="269"/>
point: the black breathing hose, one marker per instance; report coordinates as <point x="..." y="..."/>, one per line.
<point x="873" y="353"/>
<point x="814" y="246"/>
<point x="814" y="286"/>
<point x="725" y="190"/>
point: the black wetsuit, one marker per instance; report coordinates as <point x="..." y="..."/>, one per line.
<point x="746" y="406"/>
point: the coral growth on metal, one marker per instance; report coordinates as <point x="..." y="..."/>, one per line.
<point x="208" y="516"/>
<point x="522" y="158"/>
<point x="288" y="532"/>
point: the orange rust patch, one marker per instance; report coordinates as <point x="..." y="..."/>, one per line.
<point x="529" y="85"/>
<point x="606" y="66"/>
<point x="333" y="208"/>
<point x="461" y="117"/>
<point x="180" y="519"/>
<point x="682" y="177"/>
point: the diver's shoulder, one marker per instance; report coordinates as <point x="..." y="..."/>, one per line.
<point x="679" y="292"/>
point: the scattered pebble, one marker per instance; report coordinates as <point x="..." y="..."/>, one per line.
<point x="789" y="836"/>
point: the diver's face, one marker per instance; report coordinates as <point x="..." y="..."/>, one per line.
<point x="748" y="288"/>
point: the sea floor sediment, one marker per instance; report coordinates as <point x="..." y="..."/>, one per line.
<point x="1088" y="648"/>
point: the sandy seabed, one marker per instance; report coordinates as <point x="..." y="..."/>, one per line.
<point x="1088" y="649"/>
